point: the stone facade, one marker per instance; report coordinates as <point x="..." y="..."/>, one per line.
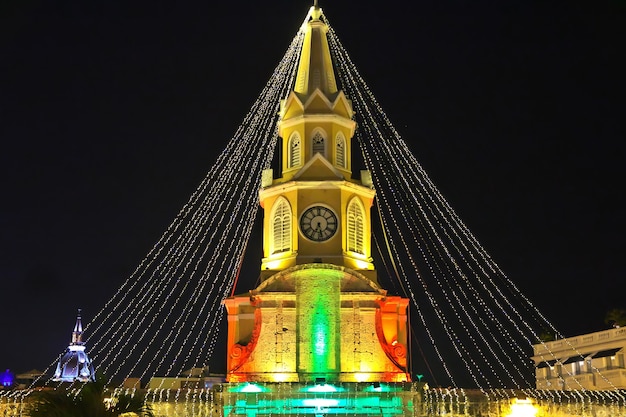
<point x="317" y="322"/>
<point x="593" y="361"/>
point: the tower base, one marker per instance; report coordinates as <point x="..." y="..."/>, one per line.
<point x="320" y="398"/>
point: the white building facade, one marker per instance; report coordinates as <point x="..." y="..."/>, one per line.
<point x="593" y="361"/>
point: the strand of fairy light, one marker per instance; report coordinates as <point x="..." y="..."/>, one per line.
<point x="199" y="289"/>
<point x="188" y="310"/>
<point x="164" y="295"/>
<point x="380" y="135"/>
<point x="458" y="347"/>
<point x="468" y="281"/>
<point x="405" y="151"/>
<point x="406" y="291"/>
<point x="461" y="254"/>
<point x="195" y="268"/>
<point x="367" y="156"/>
<point x="395" y="221"/>
<point x="155" y="316"/>
<point x="384" y="115"/>
<point x="169" y="237"/>
<point x="285" y="69"/>
<point x="401" y="176"/>
<point x="179" y="238"/>
<point x="88" y="326"/>
<point x="504" y="329"/>
<point x="492" y="269"/>
<point x="468" y="300"/>
<point x="445" y="231"/>
<point x="221" y="244"/>
<point x="183" y="289"/>
<point x="342" y="57"/>
<point x="473" y="308"/>
<point x="174" y="225"/>
<point x="158" y="247"/>
<point x="546" y="321"/>
<point x="163" y="273"/>
<point x="422" y="318"/>
<point x="467" y="233"/>
<point x="445" y="279"/>
<point x="264" y="117"/>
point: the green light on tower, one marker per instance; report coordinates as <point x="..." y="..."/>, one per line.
<point x="318" y="301"/>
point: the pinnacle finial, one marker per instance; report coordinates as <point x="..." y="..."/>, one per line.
<point x="315" y="5"/>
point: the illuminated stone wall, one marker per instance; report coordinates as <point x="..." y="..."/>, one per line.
<point x="318" y="302"/>
<point x="349" y="399"/>
<point x="317" y="321"/>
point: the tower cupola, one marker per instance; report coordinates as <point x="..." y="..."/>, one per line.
<point x="74" y="364"/>
<point x="315" y="69"/>
<point x="316" y="117"/>
<point x="316" y="211"/>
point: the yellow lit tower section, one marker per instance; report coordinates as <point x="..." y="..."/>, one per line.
<point x="319" y="313"/>
<point x="315" y="213"/>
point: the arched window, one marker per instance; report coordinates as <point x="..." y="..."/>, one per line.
<point x="281" y="226"/>
<point x="295" y="151"/>
<point x="356" y="226"/>
<point x="318" y="144"/>
<point x="340" y="150"/>
<point x="316" y="76"/>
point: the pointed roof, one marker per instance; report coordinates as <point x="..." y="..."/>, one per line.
<point x="74" y="364"/>
<point x="315" y="69"/>
<point x="318" y="168"/>
<point x="77" y="333"/>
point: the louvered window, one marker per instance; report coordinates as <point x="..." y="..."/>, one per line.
<point x="281" y="226"/>
<point x="295" y="151"/>
<point x="340" y="153"/>
<point x="316" y="78"/>
<point x="356" y="227"/>
<point x="319" y="145"/>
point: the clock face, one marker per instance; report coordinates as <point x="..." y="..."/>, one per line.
<point x="318" y="223"/>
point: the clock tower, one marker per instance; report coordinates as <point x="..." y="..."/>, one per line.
<point x="315" y="212"/>
<point x="319" y="312"/>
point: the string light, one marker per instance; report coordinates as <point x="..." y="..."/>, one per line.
<point x="165" y="317"/>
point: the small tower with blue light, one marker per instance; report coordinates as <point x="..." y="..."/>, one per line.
<point x="74" y="364"/>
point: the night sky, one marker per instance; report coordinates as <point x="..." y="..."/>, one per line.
<point x="112" y="113"/>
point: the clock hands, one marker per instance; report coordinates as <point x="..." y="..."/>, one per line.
<point x="318" y="229"/>
<point x="318" y="223"/>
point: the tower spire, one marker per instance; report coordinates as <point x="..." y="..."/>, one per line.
<point x="77" y="334"/>
<point x="315" y="69"/>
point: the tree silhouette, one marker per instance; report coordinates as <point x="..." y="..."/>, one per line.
<point x="88" y="400"/>
<point x="616" y="317"/>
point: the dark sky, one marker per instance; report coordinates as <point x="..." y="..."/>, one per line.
<point x="112" y="113"/>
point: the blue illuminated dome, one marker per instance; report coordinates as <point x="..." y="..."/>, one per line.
<point x="74" y="364"/>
